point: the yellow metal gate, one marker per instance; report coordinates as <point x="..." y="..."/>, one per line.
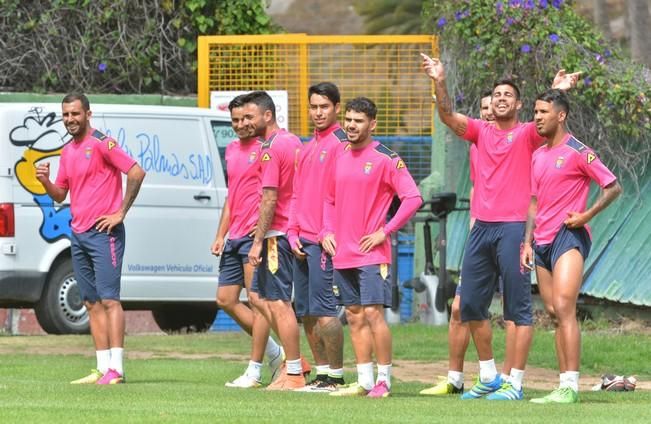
<point x="384" y="68"/>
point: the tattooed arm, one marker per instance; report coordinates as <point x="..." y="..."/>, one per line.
<point x="435" y="70"/>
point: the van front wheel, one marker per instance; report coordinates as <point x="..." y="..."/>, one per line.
<point x="60" y="309"/>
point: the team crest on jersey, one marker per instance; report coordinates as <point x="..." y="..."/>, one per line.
<point x="111" y="144"/>
<point x="252" y="157"/>
<point x="322" y="156"/>
<point x="348" y="147"/>
<point x="509" y="137"/>
<point x="400" y="164"/>
<point x="88" y="152"/>
<point x="559" y="162"/>
<point x="591" y="157"/>
<point x="367" y="168"/>
<point x="266" y="157"/>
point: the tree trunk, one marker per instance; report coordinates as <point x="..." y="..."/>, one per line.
<point x="601" y="18"/>
<point x="638" y="17"/>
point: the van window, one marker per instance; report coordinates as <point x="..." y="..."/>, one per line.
<point x="224" y="134"/>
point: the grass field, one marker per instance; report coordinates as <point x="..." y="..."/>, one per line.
<point x="181" y="379"/>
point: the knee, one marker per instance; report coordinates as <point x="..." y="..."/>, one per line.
<point x="92" y="306"/>
<point x="551" y="311"/>
<point x="254" y="300"/>
<point x="564" y="309"/>
<point x="354" y="317"/>
<point x="225" y="302"/>
<point x="374" y="316"/>
<point x="111" y="305"/>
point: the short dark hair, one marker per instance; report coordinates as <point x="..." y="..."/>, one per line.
<point x="237" y="101"/>
<point x="557" y="98"/>
<point x="363" y="105"/>
<point x="486" y="93"/>
<point x="510" y="83"/>
<point x="261" y="99"/>
<point x="325" y="89"/>
<point x="72" y="97"/>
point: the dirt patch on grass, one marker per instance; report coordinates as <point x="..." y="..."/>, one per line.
<point x="404" y="370"/>
<point x="535" y="378"/>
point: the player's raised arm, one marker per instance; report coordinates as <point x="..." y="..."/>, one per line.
<point x="434" y="69"/>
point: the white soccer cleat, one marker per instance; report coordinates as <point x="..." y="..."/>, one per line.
<point x="243" y="382"/>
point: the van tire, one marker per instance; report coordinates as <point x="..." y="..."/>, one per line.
<point x="60" y="309"/>
<point x="184" y="318"/>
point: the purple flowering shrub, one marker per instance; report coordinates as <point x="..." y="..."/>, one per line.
<point x="528" y="41"/>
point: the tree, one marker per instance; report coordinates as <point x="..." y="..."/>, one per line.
<point x="638" y="16"/>
<point x="116" y="46"/>
<point x="390" y="16"/>
<point x="601" y="18"/>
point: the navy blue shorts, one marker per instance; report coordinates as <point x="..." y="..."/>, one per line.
<point x="273" y="277"/>
<point x="97" y="263"/>
<point x="493" y="251"/>
<point x="365" y="285"/>
<point x="313" y="277"/>
<point x="500" y="287"/>
<point x="233" y="258"/>
<point x="566" y="239"/>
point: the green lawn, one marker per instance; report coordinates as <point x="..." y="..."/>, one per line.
<point x="178" y="383"/>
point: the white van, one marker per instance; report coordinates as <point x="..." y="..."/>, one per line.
<point x="167" y="265"/>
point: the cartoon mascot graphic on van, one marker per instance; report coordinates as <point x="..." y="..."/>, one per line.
<point x="43" y="135"/>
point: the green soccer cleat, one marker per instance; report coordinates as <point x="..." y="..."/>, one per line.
<point x="91" y="378"/>
<point x="560" y="395"/>
<point x="353" y="389"/>
<point x="442" y="388"/>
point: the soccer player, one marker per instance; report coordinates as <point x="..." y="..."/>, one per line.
<point x="270" y="251"/>
<point x="357" y="236"/>
<point x="500" y="203"/>
<point x="315" y="299"/>
<point x="458" y="332"/>
<point x="91" y="168"/>
<point x="238" y="221"/>
<point x="557" y="223"/>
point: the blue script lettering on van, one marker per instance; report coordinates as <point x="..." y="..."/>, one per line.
<point x="196" y="167"/>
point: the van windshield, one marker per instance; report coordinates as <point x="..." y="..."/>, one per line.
<point x="224" y="134"/>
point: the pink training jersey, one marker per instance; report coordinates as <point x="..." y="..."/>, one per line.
<point x="359" y="197"/>
<point x="243" y="171"/>
<point x="91" y="170"/>
<point x="279" y="159"/>
<point x="503" y="180"/>
<point x="560" y="180"/>
<point x="315" y="166"/>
